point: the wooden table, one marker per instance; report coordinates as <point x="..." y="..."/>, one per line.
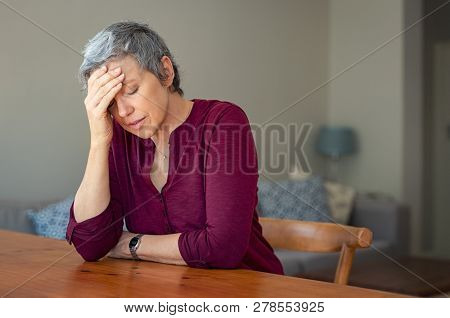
<point x="33" y="266"/>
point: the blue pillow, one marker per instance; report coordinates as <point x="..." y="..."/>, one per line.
<point x="52" y="220"/>
<point x="304" y="200"/>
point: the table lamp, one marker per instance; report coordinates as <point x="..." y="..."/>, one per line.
<point x="336" y="142"/>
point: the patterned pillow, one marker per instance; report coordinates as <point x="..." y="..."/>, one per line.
<point x="304" y="200"/>
<point x="52" y="220"/>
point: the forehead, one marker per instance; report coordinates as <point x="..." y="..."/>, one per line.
<point x="128" y="65"/>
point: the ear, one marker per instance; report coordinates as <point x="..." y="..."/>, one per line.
<point x="168" y="70"/>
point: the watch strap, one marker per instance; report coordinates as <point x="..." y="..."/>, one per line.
<point x="135" y="247"/>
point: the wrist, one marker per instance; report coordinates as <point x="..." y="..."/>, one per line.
<point x="134" y="244"/>
<point x="99" y="146"/>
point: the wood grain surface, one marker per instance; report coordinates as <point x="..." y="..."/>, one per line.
<point x="33" y="266"/>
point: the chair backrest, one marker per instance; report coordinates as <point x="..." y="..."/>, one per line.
<point x="318" y="237"/>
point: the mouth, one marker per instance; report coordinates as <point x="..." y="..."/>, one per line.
<point x="136" y="124"/>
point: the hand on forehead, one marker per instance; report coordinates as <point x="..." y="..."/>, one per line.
<point x="128" y="66"/>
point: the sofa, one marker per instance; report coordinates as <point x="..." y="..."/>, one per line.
<point x="388" y="220"/>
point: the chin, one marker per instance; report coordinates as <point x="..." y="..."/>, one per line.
<point x="145" y="132"/>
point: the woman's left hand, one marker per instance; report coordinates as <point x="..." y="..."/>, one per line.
<point x="122" y="250"/>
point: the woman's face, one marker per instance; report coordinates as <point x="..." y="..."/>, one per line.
<point x="142" y="98"/>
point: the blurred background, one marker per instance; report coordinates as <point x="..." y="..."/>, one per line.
<point x="372" y="78"/>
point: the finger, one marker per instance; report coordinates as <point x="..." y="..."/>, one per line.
<point x="105" y="102"/>
<point x="106" y="88"/>
<point x="96" y="74"/>
<point x="108" y="76"/>
<point x="101" y="78"/>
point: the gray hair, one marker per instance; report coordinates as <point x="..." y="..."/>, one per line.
<point x="128" y="38"/>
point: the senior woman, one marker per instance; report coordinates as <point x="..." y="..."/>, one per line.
<point x="181" y="173"/>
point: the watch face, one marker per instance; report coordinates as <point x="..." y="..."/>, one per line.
<point x="134" y="241"/>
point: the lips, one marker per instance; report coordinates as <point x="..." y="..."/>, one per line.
<point x="135" y="122"/>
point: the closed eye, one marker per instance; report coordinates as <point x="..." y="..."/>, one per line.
<point x="133" y="91"/>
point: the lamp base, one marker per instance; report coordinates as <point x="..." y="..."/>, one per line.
<point x="332" y="169"/>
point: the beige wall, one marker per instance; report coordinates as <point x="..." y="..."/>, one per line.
<point x="369" y="97"/>
<point x="381" y="98"/>
<point x="262" y="55"/>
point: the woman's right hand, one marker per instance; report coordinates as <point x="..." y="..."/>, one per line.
<point x="103" y="86"/>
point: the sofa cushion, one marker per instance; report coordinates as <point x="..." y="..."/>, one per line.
<point x="304" y="200"/>
<point x="52" y="220"/>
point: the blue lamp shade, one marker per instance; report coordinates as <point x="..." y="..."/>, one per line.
<point x="336" y="141"/>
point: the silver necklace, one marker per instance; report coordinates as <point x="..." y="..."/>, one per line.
<point x="164" y="156"/>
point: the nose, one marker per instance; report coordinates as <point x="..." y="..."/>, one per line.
<point x="124" y="108"/>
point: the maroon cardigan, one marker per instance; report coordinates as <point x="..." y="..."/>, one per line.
<point x="210" y="195"/>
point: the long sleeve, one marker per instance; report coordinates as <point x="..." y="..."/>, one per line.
<point x="95" y="237"/>
<point x="231" y="175"/>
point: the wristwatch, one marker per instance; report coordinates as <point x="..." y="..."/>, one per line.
<point x="134" y="244"/>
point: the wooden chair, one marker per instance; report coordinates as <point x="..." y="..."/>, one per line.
<point x="318" y="237"/>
